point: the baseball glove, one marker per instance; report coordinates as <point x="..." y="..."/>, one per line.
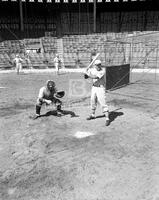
<point x="60" y="94"/>
<point x="86" y="76"/>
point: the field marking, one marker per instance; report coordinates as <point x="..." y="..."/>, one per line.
<point x="83" y="134"/>
<point x="28" y="71"/>
<point x="11" y="191"/>
<point x="79" y="70"/>
<point x="3" y="87"/>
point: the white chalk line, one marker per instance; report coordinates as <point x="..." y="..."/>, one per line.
<point x="83" y="134"/>
<point x="148" y="70"/>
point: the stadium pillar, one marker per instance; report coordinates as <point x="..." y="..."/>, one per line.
<point x="94" y="16"/>
<point x="21" y="15"/>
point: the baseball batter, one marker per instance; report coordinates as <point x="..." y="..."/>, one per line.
<point x="98" y="93"/>
<point x="47" y="96"/>
<point x="18" y="63"/>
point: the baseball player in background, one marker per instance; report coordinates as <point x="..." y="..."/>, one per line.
<point x="57" y="63"/>
<point x="18" y="63"/>
<point x="47" y="95"/>
<point x="98" y="92"/>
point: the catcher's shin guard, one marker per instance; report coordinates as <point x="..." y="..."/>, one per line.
<point x="59" y="111"/>
<point x="58" y="107"/>
<point x="38" y="108"/>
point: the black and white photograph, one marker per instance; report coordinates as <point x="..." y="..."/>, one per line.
<point x="79" y="99"/>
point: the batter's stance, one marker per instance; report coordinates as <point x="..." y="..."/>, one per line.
<point x="47" y="95"/>
<point x="98" y="92"/>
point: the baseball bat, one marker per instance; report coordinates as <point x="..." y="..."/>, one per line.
<point x="93" y="61"/>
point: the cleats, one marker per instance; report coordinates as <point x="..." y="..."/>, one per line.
<point x="91" y="117"/>
<point x="59" y="113"/>
<point x="107" y="122"/>
<point x="35" y="116"/>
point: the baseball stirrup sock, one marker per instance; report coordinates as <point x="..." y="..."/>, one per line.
<point x="38" y="108"/>
<point x="59" y="107"/>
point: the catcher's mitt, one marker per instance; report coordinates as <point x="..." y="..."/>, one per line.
<point x="86" y="76"/>
<point x="60" y="94"/>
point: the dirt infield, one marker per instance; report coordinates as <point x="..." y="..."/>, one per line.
<point x="69" y="158"/>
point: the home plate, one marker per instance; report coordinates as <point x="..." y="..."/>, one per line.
<point x="11" y="191"/>
<point x="82" y="134"/>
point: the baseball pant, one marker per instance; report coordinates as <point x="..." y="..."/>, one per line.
<point x="57" y="67"/>
<point x="18" y="68"/>
<point x="98" y="94"/>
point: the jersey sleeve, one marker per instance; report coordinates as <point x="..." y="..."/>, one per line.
<point x="41" y="93"/>
<point x="89" y="72"/>
<point x="100" y="74"/>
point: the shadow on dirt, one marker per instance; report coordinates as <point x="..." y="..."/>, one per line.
<point x="14" y="109"/>
<point x="112" y="115"/>
<point x="63" y="113"/>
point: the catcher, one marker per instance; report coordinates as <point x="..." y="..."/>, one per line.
<point x="49" y="95"/>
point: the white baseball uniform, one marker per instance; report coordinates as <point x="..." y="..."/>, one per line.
<point x="18" y="64"/>
<point x="98" y="92"/>
<point x="57" y="63"/>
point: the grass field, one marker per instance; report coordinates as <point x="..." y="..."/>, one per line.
<point x="70" y="158"/>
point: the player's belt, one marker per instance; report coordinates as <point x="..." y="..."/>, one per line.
<point x="100" y="82"/>
<point x="96" y="85"/>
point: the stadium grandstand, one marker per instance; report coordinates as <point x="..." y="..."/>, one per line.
<point x="122" y="31"/>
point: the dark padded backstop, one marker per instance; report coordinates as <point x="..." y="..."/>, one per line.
<point x="117" y="76"/>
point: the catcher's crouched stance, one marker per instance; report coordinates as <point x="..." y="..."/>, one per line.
<point x="49" y="95"/>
